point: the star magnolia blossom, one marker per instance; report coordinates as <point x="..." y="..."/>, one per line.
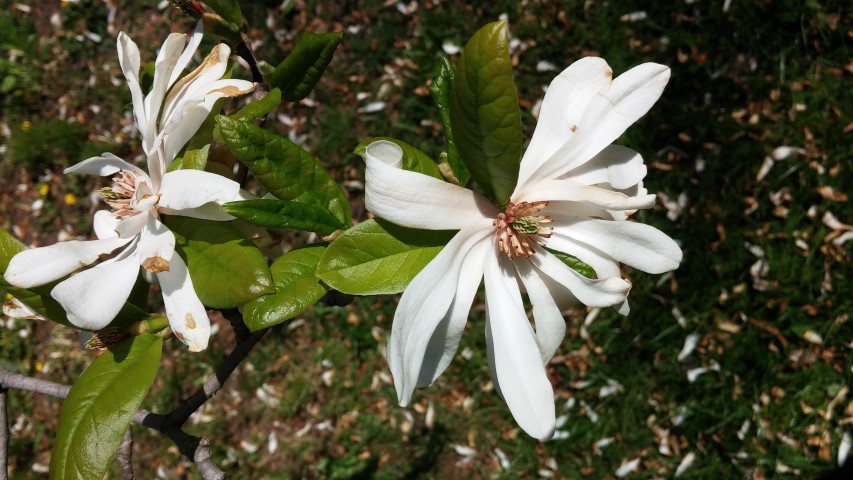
<point x="167" y="117"/>
<point x="574" y="193"/>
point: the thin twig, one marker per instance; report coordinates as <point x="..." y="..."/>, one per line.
<point x="124" y="454"/>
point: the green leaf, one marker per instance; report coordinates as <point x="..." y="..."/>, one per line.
<point x="195" y="159"/>
<point x="100" y="406"/>
<point x="285" y="214"/>
<point x="303" y="67"/>
<point x="296" y="288"/>
<point x="229" y="10"/>
<point x="226" y="268"/>
<point x="377" y="257"/>
<point x="413" y="159"/>
<point x="259" y="108"/>
<point x="39" y="299"/>
<point x="284" y="168"/>
<point x="485" y="114"/>
<point x="440" y="91"/>
<point x="574" y="263"/>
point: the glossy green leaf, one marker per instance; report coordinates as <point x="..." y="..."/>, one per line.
<point x="574" y="263"/>
<point x="193" y="158"/>
<point x="259" y="108"/>
<point x="377" y="257"/>
<point x="413" y="159"/>
<point x="485" y="114"/>
<point x="303" y="67"/>
<point x="39" y="299"/>
<point x="100" y="406"/>
<point x="296" y="288"/>
<point x="440" y="91"/>
<point x="285" y="169"/>
<point x="285" y="214"/>
<point x="226" y="268"/>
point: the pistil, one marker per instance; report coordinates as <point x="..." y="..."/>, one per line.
<point x="519" y="226"/>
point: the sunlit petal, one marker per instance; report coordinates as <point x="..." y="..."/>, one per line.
<point x="618" y="166"/>
<point x="445" y="339"/>
<point x="105" y="223"/>
<point x="93" y="297"/>
<point x="38" y="266"/>
<point x="128" y="57"/>
<point x="604" y="292"/>
<point x="517" y="366"/>
<point x="423" y="306"/>
<point x="550" y="324"/>
<point x="164" y="66"/>
<point x="636" y="244"/>
<point x="569" y="190"/>
<point x="182" y="189"/>
<point x="156" y="246"/>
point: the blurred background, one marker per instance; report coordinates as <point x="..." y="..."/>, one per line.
<point x="736" y="365"/>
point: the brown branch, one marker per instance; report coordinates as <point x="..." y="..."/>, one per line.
<point x="124" y="454"/>
<point x="170" y="424"/>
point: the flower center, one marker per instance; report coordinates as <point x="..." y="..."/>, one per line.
<point x="128" y="195"/>
<point x="519" y="225"/>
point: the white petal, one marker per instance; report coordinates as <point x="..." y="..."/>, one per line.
<point x="208" y="211"/>
<point x="516" y="361"/>
<point x="641" y="246"/>
<point x="156" y="246"/>
<point x="618" y="166"/>
<point x="92" y="298"/>
<point x="38" y="266"/>
<point x="566" y="189"/>
<point x="562" y="108"/>
<point x="424" y="304"/>
<point x="416" y="200"/>
<point x="189" y="51"/>
<point x="607" y="116"/>
<point x="164" y="67"/>
<point x="131" y="226"/>
<point x="445" y="339"/>
<point x="183" y="189"/>
<point x="604" y="292"/>
<point x="603" y="264"/>
<point x="194" y="85"/>
<point x="103" y="166"/>
<point x="187" y="316"/>
<point x="13" y="308"/>
<point x="550" y="325"/>
<point x="105" y="223"/>
<point x="128" y="57"/>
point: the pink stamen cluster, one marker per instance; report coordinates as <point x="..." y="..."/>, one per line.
<point x="119" y="196"/>
<point x="519" y="225"/>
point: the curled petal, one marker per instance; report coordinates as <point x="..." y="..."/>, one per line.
<point x="103" y="166"/>
<point x="93" y="297"/>
<point x="415" y="200"/>
<point x="641" y="246"/>
<point x="550" y="325"/>
<point x="424" y="305"/>
<point x="187" y="316"/>
<point x="189" y="51"/>
<point x="13" y="308"/>
<point x="38" y="266"/>
<point x="131" y="226"/>
<point x="184" y="189"/>
<point x="514" y="356"/>
<point x="195" y="85"/>
<point x="604" y="292"/>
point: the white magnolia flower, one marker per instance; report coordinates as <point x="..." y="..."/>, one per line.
<point x="167" y="118"/>
<point x="574" y="193"/>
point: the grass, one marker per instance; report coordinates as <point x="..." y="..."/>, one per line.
<point x="745" y="81"/>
